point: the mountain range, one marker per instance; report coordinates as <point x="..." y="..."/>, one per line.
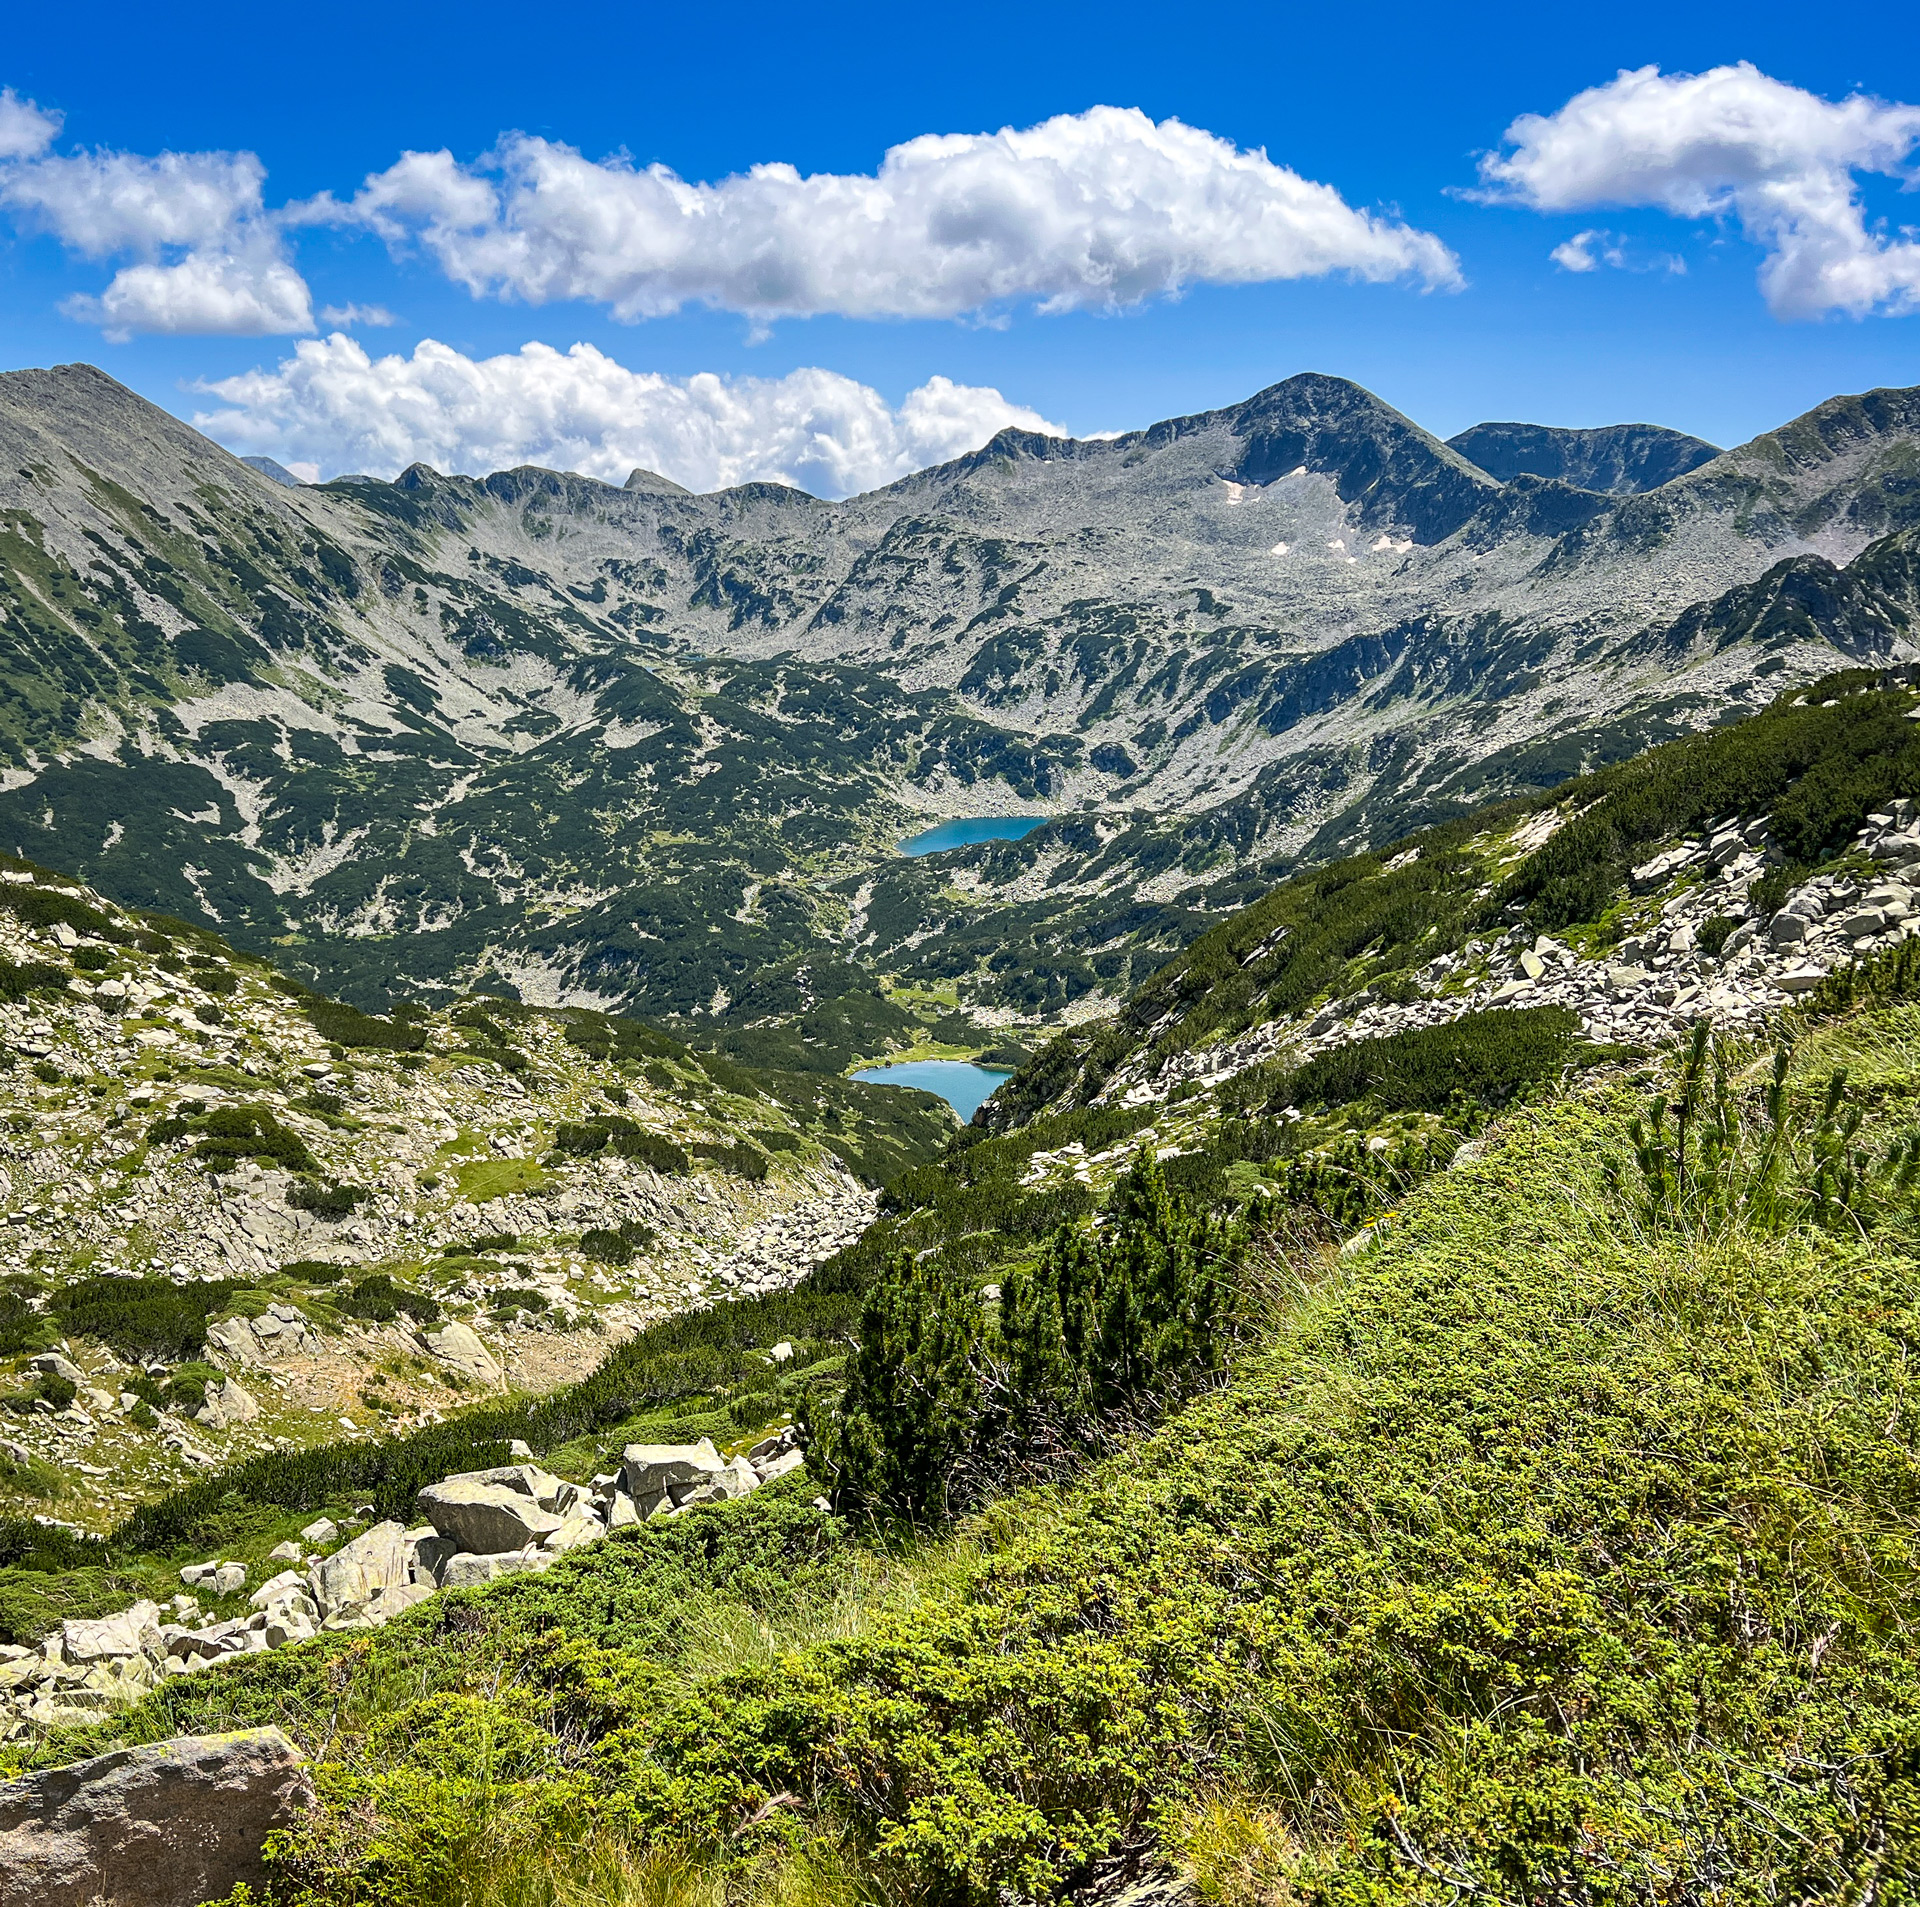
<point x="637" y="748"/>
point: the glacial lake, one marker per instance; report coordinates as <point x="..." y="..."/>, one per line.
<point x="963" y="834"/>
<point x="962" y="1084"/>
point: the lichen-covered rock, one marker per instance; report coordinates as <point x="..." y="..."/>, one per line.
<point x="171" y="1825"/>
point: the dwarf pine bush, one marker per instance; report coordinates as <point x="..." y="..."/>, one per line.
<point x="1703" y="1161"/>
<point x="1109" y="1328"/>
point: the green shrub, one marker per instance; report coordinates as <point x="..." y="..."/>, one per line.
<point x="48" y="1547"/>
<point x="142" y="1318"/>
<point x="343" y="1025"/>
<point x="224" y="1135"/>
<point x="1715" y="931"/>
<point x="743" y="1161"/>
<point x="608" y="1245"/>
<point x="22" y="1327"/>
<point x="186" y="1388"/>
<point x="314" y="1271"/>
<point x="1488" y="1059"/>
<point x="613" y="1132"/>
<point x="33" y="976"/>
<point x="1702" y="1161"/>
<point x="327" y="1201"/>
<point x="1109" y="1328"/>
<point x="56" y="1390"/>
<point x="378" y="1298"/>
<point x="41" y="907"/>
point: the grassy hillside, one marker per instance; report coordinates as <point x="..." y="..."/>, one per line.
<point x="1557" y="1545"/>
<point x="1531" y="1514"/>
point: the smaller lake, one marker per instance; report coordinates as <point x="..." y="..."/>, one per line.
<point x="962" y="1084"/>
<point x="963" y="834"/>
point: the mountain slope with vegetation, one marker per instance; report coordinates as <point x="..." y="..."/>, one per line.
<point x="237" y="1213"/>
<point x="639" y="750"/>
<point x="1481" y="1466"/>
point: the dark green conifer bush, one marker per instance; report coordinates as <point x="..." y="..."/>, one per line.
<point x="143" y="1317"/>
<point x="1111" y="1327"/>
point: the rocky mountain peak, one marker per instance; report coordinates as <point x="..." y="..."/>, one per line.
<point x="1398" y="475"/>
<point x="651" y="483"/>
<point x="1618" y="459"/>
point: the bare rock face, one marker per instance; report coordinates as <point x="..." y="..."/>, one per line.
<point x="460" y="1346"/>
<point x="227" y="1404"/>
<point x="470" y="1572"/>
<point x="171" y="1825"/>
<point x="650" y="1470"/>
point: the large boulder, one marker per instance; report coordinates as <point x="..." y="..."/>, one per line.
<point x="469" y="1572"/>
<point x="171" y="1825"/>
<point x="578" y="1527"/>
<point x="485" y="1517"/>
<point x="382" y="1609"/>
<point x="547" y="1490"/>
<point x="460" y="1346"/>
<point x="134" y="1631"/>
<point x="430" y="1551"/>
<point x="653" y="1470"/>
<point x="377" y="1559"/>
<point x="227" y="1404"/>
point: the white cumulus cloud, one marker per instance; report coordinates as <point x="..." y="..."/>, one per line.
<point x="1102" y="209"/>
<point x="333" y="407"/>
<point x="1735" y="144"/>
<point x="25" y="129"/>
<point x="207" y="255"/>
<point x="1588" y="251"/>
<point x="1099" y="209"/>
<point x="345" y="317"/>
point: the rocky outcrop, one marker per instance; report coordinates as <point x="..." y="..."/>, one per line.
<point x="227" y="1404"/>
<point x="347" y="1583"/>
<point x="480" y="1525"/>
<point x="1705" y="952"/>
<point x="280" y="1331"/>
<point x="460" y="1346"/>
<point x="485" y="1517"/>
<point x="171" y="1825"/>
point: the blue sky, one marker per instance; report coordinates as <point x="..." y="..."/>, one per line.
<point x="1390" y="108"/>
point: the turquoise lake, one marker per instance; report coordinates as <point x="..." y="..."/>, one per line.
<point x="962" y="1084"/>
<point x="963" y="834"/>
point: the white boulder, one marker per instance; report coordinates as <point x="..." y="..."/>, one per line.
<point x="485" y="1518"/>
